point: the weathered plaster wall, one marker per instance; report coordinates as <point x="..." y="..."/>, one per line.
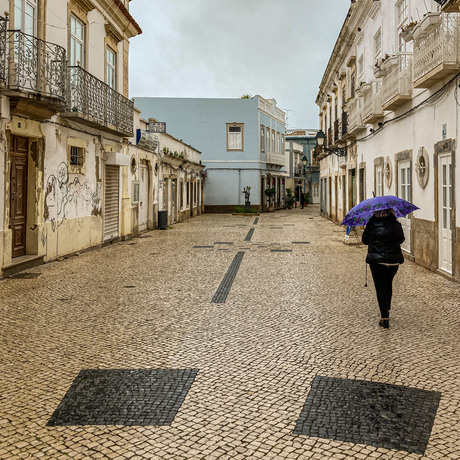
<point x="72" y="202"/>
<point x="425" y="249"/>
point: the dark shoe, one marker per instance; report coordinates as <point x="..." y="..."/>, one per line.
<point x="385" y="323"/>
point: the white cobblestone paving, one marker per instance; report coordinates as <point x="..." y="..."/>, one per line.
<point x="288" y="317"/>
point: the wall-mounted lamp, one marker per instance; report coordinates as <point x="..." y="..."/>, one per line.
<point x="339" y="151"/>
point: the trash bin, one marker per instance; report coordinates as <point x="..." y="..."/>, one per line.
<point x="162" y="220"/>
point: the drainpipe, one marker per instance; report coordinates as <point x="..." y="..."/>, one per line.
<point x="239" y="186"/>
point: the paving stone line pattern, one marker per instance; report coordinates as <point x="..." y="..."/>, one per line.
<point x="372" y="413"/>
<point x="287" y="319"/>
<point x="224" y="288"/>
<point x="126" y="397"/>
<point x="249" y="235"/>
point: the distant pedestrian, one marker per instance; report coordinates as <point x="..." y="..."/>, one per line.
<point x="384" y="235"/>
<point x="302" y="199"/>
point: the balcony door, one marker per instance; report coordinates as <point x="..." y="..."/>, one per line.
<point x="445" y="212"/>
<point x="25" y="55"/>
<point x="405" y="192"/>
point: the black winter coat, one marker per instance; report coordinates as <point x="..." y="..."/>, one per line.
<point x="384" y="236"/>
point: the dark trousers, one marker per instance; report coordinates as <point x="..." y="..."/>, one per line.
<point x="383" y="281"/>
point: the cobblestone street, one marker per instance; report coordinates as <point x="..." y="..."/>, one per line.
<point x="228" y="337"/>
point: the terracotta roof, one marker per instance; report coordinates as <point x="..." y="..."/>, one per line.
<point x="128" y="16"/>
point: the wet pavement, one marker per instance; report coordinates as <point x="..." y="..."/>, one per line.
<point x="228" y="337"/>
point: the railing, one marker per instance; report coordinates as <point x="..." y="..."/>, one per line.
<point x="92" y="97"/>
<point x="372" y="102"/>
<point x="344" y="123"/>
<point x="276" y="158"/>
<point x="32" y="65"/>
<point x="398" y="80"/>
<point x="266" y="106"/>
<point x="336" y="131"/>
<point x="299" y="171"/>
<point x="3" y="29"/>
<point x="352" y="110"/>
<point x="439" y="46"/>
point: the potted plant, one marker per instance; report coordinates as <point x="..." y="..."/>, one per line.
<point x="406" y="31"/>
<point x="378" y="71"/>
<point x="290" y="198"/>
<point x="430" y="20"/>
<point x="269" y="192"/>
<point x="388" y="62"/>
<point x="306" y="198"/>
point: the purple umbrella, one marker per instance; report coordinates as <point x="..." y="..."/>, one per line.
<point x="362" y="212"/>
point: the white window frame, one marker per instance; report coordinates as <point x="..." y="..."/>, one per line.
<point x="379" y="180"/>
<point x="76" y="41"/>
<point x="377" y="43"/>
<point x="235" y="137"/>
<point x="262" y="138"/>
<point x="22" y="15"/>
<point x="111" y="67"/>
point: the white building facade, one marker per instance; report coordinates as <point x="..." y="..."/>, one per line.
<point x="389" y="108"/>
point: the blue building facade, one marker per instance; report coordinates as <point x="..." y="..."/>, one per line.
<point x="241" y="143"/>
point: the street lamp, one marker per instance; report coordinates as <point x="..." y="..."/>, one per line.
<point x="339" y="151"/>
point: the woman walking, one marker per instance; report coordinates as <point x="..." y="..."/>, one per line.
<point x="384" y="235"/>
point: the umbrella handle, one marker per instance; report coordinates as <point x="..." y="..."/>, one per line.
<point x="365" y="284"/>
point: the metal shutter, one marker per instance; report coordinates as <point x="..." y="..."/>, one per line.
<point x="111" y="200"/>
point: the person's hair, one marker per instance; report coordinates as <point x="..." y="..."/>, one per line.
<point x="384" y="213"/>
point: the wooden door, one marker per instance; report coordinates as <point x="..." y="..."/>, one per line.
<point x="18" y="194"/>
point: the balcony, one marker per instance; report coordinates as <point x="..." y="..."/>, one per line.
<point x="336" y="131"/>
<point x="397" y="83"/>
<point x="329" y="137"/>
<point x="344" y="129"/>
<point x="277" y="159"/>
<point x="437" y="54"/>
<point x="449" y="6"/>
<point x="299" y="171"/>
<point x="32" y="73"/>
<point x="355" y="122"/>
<point x="93" y="103"/>
<point x="372" y="103"/>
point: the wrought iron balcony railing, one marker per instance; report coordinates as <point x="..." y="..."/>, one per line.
<point x="99" y="104"/>
<point x="3" y="29"/>
<point x="397" y="83"/>
<point x="437" y="54"/>
<point x="344" y="129"/>
<point x="336" y="131"/>
<point x="31" y="65"/>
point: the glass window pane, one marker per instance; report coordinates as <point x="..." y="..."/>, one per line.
<point x="18" y="14"/>
<point x="30" y="20"/>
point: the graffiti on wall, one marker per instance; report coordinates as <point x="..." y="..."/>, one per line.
<point x="66" y="199"/>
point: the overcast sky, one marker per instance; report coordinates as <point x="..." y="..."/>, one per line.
<point x="227" y="48"/>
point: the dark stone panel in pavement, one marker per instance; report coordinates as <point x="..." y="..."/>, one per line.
<point x="226" y="284"/>
<point x="372" y="413"/>
<point x="130" y="397"/>
<point x="249" y="235"/>
<point x="281" y="250"/>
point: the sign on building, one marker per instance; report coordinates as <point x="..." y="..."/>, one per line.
<point x="157" y="126"/>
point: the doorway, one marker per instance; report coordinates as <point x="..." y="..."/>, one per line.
<point x="445" y="212"/>
<point x="18" y="194"/>
<point x="143" y="195"/>
<point x="405" y="192"/>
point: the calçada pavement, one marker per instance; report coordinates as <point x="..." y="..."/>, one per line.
<point x="228" y="337"/>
